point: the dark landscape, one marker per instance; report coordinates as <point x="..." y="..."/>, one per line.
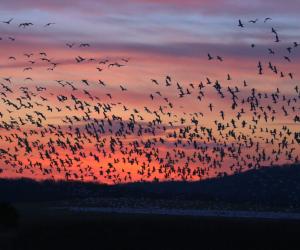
<point x="42" y="213"/>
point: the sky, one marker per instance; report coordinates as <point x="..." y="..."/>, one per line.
<point x="158" y="39"/>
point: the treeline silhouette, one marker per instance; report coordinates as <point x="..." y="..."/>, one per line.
<point x="270" y="186"/>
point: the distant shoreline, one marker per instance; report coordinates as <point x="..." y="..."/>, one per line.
<point x="187" y="212"/>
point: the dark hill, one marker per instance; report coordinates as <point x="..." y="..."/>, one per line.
<point x="276" y="186"/>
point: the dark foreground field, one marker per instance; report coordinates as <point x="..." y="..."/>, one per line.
<point x="43" y="219"/>
<point x="41" y="228"/>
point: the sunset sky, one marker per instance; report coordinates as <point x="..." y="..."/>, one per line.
<point x="158" y="39"/>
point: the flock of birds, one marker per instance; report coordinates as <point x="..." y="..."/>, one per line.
<point x="108" y="141"/>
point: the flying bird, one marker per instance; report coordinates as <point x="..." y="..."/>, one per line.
<point x="241" y="24"/>
<point x="48" y="24"/>
<point x="267" y="19"/>
<point x="9" y="21"/>
<point x="253" y="21"/>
